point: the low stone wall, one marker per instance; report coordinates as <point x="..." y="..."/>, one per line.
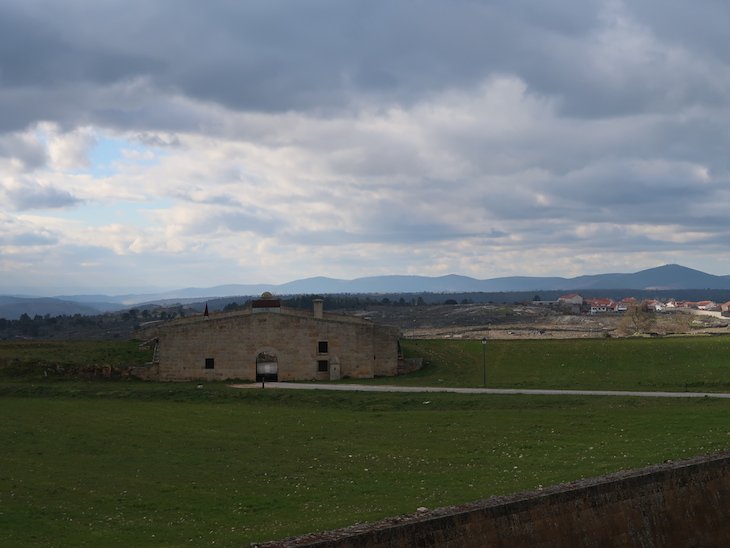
<point x="683" y="503"/>
<point x="409" y="365"/>
<point x="149" y="372"/>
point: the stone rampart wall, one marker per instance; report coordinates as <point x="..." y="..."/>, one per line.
<point x="409" y="365"/>
<point x="676" y="504"/>
<point x="361" y="349"/>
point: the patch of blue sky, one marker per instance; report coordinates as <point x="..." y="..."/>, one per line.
<point x="138" y="214"/>
<point x="110" y="153"/>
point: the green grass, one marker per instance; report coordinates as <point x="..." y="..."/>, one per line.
<point x="675" y="364"/>
<point x="78" y="352"/>
<point x="59" y="359"/>
<point x="140" y="464"/>
<point x="129" y="463"/>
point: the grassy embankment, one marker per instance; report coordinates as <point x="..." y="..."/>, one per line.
<point x="698" y="364"/>
<point x="129" y="463"/>
<point x="51" y="360"/>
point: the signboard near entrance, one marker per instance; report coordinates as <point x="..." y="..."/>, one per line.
<point x="267" y="368"/>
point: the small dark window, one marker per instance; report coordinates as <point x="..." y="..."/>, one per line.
<point x="323" y="366"/>
<point x="322" y="347"/>
<point x="209" y="363"/>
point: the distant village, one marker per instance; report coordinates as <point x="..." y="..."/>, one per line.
<point x="600" y="305"/>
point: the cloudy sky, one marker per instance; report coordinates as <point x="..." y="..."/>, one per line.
<point x="182" y="143"/>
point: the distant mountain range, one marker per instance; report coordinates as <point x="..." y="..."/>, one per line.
<point x="12" y="308"/>
<point x="667" y="277"/>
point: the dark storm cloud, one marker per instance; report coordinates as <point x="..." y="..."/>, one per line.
<point x="213" y="219"/>
<point x="159" y="141"/>
<point x="321" y="55"/>
<point x="395" y="233"/>
<point x="243" y="221"/>
<point x="38" y="51"/>
<point x="30" y="154"/>
<point x="30" y="239"/>
<point x="621" y="186"/>
<point x="700" y="26"/>
<point x="31" y="195"/>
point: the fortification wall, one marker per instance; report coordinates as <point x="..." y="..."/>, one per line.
<point x="685" y="503"/>
<point x="232" y="342"/>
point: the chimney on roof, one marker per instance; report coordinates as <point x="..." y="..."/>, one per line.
<point x="318" y="308"/>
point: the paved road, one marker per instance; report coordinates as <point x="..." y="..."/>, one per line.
<point x="391" y="388"/>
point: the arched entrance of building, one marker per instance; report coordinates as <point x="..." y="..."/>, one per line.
<point x="267" y="367"/>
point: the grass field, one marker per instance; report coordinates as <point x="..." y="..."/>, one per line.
<point x="120" y="463"/>
<point x="699" y="364"/>
<point x="49" y="360"/>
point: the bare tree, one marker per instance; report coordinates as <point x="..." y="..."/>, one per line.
<point x="637" y="319"/>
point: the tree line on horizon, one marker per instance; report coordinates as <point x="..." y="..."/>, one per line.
<point x="122" y="324"/>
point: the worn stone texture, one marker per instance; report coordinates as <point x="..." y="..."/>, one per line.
<point x="683" y="504"/>
<point x="359" y="348"/>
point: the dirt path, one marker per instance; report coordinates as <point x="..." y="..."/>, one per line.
<point x="418" y="389"/>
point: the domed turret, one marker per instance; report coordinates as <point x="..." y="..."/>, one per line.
<point x="267" y="303"/>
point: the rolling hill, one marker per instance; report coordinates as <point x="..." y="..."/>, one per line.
<point x="667" y="277"/>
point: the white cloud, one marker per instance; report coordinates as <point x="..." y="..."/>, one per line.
<point x="69" y="150"/>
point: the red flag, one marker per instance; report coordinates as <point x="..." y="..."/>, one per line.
<point x="206" y="310"/>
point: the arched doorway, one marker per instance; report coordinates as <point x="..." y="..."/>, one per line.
<point x="267" y="367"/>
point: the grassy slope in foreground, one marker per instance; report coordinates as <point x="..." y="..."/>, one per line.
<point x="140" y="464"/>
<point x="699" y="364"/>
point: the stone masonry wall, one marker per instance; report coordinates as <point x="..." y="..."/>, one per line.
<point x="672" y="505"/>
<point x="361" y="349"/>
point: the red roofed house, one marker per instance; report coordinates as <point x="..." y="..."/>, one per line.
<point x="600" y="305"/>
<point x="623" y="304"/>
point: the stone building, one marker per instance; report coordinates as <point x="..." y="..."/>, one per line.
<point x="269" y="342"/>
